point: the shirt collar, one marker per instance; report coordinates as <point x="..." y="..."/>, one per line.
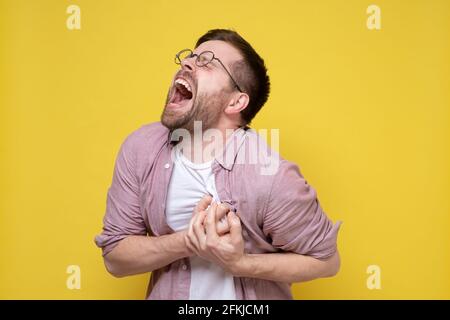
<point x="231" y="148"/>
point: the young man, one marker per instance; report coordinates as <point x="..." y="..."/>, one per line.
<point x="197" y="213"/>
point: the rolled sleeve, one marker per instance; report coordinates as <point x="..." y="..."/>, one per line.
<point x="123" y="215"/>
<point x="294" y="219"/>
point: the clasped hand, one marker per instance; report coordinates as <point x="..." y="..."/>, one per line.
<point x="215" y="234"/>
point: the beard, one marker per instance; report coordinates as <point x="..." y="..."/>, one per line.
<point x="206" y="108"/>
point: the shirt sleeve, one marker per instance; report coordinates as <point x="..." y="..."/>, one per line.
<point x="123" y="215"/>
<point x="294" y="219"/>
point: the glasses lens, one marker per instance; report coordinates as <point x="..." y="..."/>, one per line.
<point x="204" y="58"/>
<point x="183" y="54"/>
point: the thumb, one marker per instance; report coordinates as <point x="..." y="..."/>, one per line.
<point x="203" y="203"/>
<point x="235" y="227"/>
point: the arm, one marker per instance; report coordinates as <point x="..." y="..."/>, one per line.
<point x="286" y="267"/>
<point x="126" y="248"/>
<point x="228" y="252"/>
<point x="140" y="254"/>
<point x="296" y="224"/>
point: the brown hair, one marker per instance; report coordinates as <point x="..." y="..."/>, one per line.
<point x="250" y="73"/>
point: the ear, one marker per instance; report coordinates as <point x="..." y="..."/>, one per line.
<point x="237" y="103"/>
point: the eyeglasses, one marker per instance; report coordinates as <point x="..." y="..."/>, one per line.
<point x="202" y="60"/>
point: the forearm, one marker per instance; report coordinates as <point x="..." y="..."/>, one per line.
<point x="140" y="254"/>
<point x="287" y="267"/>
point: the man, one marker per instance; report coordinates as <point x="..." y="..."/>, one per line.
<point x="214" y="225"/>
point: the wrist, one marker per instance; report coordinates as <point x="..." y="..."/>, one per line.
<point x="185" y="251"/>
<point x="242" y="267"/>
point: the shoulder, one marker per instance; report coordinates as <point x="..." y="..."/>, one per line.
<point x="260" y="158"/>
<point x="143" y="144"/>
<point x="267" y="167"/>
<point x="147" y="134"/>
<point x="262" y="176"/>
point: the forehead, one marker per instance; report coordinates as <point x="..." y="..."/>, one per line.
<point x="222" y="50"/>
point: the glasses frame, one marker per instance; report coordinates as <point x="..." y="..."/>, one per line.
<point x="198" y="64"/>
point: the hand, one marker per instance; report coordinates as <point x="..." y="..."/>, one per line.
<point x="222" y="222"/>
<point x="203" y="239"/>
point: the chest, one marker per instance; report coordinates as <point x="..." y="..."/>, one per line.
<point x="244" y="195"/>
<point x="186" y="187"/>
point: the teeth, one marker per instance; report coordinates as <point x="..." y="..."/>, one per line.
<point x="184" y="83"/>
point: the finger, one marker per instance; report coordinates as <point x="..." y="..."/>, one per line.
<point x="222" y="210"/>
<point x="190" y="245"/>
<point x="203" y="203"/>
<point x="198" y="228"/>
<point x="222" y="226"/>
<point x="221" y="219"/>
<point x="211" y="231"/>
<point x="235" y="227"/>
<point x="191" y="233"/>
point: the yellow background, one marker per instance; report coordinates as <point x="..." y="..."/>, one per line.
<point x="365" y="113"/>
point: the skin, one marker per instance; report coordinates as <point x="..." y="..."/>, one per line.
<point x="140" y="254"/>
<point x="214" y="232"/>
<point x="215" y="102"/>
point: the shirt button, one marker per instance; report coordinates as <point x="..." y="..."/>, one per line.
<point x="184" y="267"/>
<point x="167" y="166"/>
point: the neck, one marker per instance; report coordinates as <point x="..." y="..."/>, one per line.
<point x="205" y="145"/>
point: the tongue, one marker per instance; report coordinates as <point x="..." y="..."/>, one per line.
<point x="184" y="92"/>
<point x="181" y="95"/>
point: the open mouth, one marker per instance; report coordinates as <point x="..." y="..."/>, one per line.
<point x="182" y="93"/>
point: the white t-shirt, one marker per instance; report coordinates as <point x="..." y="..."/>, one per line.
<point x="188" y="184"/>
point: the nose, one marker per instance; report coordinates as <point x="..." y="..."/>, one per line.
<point x="188" y="64"/>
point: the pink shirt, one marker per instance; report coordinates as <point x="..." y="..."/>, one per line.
<point x="279" y="212"/>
